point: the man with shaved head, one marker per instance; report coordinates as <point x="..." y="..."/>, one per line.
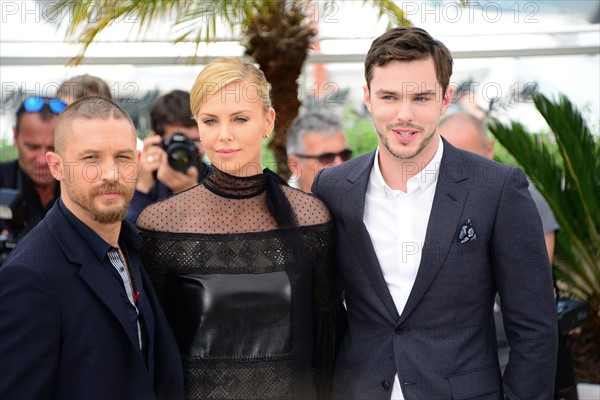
<point x="78" y="316"/>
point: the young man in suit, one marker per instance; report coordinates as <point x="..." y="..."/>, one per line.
<point x="427" y="235"/>
<point x="78" y="315"/>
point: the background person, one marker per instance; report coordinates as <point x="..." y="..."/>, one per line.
<point x="157" y="179"/>
<point x="30" y="173"/>
<point x="425" y="240"/>
<point x="79" y="318"/>
<point x="468" y="132"/>
<point x="81" y="86"/>
<point x="242" y="262"/>
<point x="314" y="141"/>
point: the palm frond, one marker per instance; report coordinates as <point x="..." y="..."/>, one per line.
<point x="581" y="152"/>
<point x="194" y="20"/>
<point x="567" y="173"/>
<point x="390" y="9"/>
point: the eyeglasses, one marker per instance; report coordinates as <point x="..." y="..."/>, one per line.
<point x="36" y="104"/>
<point x="328" y="158"/>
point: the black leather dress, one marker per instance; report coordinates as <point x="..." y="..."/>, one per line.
<point x="244" y="268"/>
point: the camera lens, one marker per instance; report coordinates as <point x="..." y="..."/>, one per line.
<point x="180" y="158"/>
<point x="181" y="151"/>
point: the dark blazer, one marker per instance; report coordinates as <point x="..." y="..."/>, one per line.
<point x="443" y="346"/>
<point x="65" y="332"/>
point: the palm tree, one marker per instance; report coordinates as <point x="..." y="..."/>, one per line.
<point x="566" y="170"/>
<point x="275" y="34"/>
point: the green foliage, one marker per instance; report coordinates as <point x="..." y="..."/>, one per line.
<point x="565" y="167"/>
<point x="268" y="160"/>
<point x="193" y="21"/>
<point x="7" y="151"/>
<point x="362" y="137"/>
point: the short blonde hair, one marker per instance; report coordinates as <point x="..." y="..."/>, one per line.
<point x="223" y="71"/>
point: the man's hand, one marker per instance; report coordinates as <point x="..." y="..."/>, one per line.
<point x="175" y="180"/>
<point x="154" y="158"/>
<point x="150" y="160"/>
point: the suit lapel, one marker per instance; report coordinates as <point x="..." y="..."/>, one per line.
<point x="355" y="187"/>
<point x="93" y="272"/>
<point x="444" y="220"/>
<point x="101" y="283"/>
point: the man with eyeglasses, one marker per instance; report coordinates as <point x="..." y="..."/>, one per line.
<point x="29" y="173"/>
<point x="315" y="141"/>
<point x="170" y="114"/>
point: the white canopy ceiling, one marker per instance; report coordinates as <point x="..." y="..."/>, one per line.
<point x="499" y="42"/>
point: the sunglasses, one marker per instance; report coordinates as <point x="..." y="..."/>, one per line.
<point x="328" y="158"/>
<point x="36" y="104"/>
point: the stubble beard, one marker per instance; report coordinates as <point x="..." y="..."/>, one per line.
<point x="109" y="216"/>
<point x="405" y="155"/>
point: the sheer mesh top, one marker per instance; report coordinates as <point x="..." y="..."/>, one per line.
<point x="244" y="268"/>
<point x="228" y="204"/>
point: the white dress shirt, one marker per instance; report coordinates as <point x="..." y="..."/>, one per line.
<point x="397" y="223"/>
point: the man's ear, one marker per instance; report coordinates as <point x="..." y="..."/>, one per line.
<point x="55" y="164"/>
<point x="367" y="97"/>
<point x="295" y="166"/>
<point x="490" y="149"/>
<point x="293" y="163"/>
<point x="447" y="100"/>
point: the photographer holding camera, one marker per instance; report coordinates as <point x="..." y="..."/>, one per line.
<point x="29" y="174"/>
<point x="171" y="159"/>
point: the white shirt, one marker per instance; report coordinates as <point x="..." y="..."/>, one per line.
<point x="397" y="223"/>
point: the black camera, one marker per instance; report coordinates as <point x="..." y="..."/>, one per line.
<point x="11" y="204"/>
<point x="571" y="314"/>
<point x="181" y="151"/>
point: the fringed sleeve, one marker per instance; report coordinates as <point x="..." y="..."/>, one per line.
<point x="155" y="249"/>
<point x="329" y="313"/>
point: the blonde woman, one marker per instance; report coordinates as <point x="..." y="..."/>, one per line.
<point x="242" y="262"/>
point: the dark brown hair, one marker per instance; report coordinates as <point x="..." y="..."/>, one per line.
<point x="409" y="44"/>
<point x="172" y="108"/>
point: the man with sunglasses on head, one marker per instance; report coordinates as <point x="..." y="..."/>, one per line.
<point x="170" y="114"/>
<point x="315" y="141"/>
<point x="29" y="173"/>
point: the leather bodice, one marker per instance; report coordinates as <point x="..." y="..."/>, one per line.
<point x="253" y="310"/>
